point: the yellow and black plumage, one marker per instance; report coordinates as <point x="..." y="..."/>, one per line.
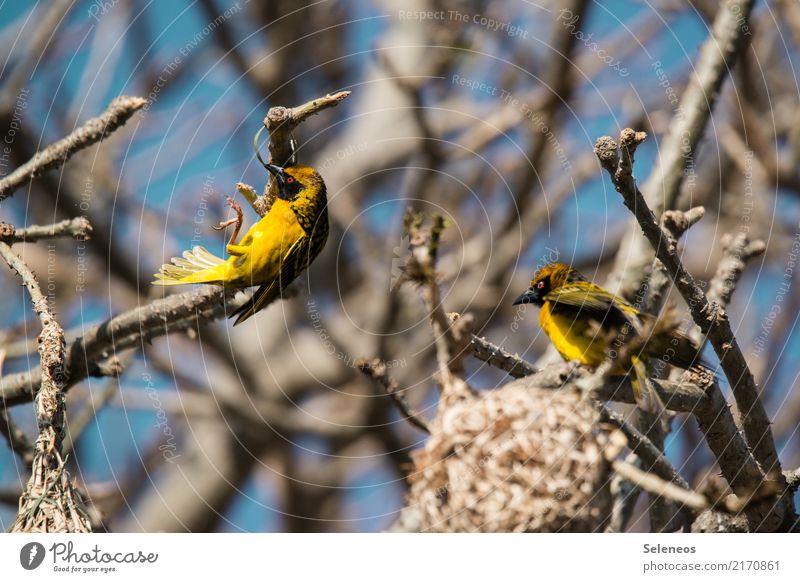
<point x="274" y="252"/>
<point x="585" y="323"/>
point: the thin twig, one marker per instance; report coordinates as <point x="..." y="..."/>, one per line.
<point x="677" y="222"/>
<point x="625" y="495"/>
<point x="644" y="448"/>
<point x="717" y="57"/>
<point x="376" y="370"/>
<point x="657" y="486"/>
<point x="736" y="251"/>
<point x="496" y="356"/>
<point x="77" y="228"/>
<point x="120" y="110"/>
<point x="452" y="334"/>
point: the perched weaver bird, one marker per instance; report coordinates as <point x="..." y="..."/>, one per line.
<point x="587" y="323"/>
<point x="274" y="252"/>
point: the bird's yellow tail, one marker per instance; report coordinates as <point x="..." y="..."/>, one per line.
<point x="197" y="266"/>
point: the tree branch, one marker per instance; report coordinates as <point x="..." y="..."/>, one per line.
<point x="716" y="59"/>
<point x="120" y="110"/>
<point x="711" y="318"/>
<point x="452" y="334"/>
<point x="643" y="448"/>
<point x="496" y="356"/>
<point x="78" y="228"/>
<point x="130" y="329"/>
<point x="376" y="370"/>
<point x="280" y="122"/>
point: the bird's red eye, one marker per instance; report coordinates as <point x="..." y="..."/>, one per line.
<point x="289" y="180"/>
<point x="540" y="285"/>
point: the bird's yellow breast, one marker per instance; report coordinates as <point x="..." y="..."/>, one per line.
<point x="268" y="242"/>
<point x="572" y="336"/>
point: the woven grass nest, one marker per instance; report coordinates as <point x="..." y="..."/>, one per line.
<point x="516" y="459"/>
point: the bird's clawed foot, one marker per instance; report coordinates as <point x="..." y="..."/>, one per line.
<point x="233" y="221"/>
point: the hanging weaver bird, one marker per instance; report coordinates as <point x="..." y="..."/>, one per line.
<point x="588" y="324"/>
<point x="273" y="253"/>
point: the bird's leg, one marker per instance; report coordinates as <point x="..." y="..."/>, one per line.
<point x="233" y="221"/>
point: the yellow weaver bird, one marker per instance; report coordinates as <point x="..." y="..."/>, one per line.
<point x="586" y="323"/>
<point x="274" y="252"/>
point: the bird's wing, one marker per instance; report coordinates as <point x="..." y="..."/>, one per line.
<point x="594" y="301"/>
<point x="294" y="262"/>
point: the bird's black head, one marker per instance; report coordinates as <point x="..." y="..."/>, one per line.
<point x="545" y="280"/>
<point x="291" y="181"/>
<point x="535" y="293"/>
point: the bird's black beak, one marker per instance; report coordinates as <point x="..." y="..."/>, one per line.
<point x="276" y="171"/>
<point x="529" y="296"/>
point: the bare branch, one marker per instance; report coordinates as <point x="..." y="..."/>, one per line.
<point x="452" y="334"/>
<point x="643" y="448"/>
<point x="656" y="485"/>
<point x="676" y="222"/>
<point x="793" y="479"/>
<point x="81" y="420"/>
<point x="130" y="329"/>
<point x="736" y="251"/>
<point x="497" y="357"/>
<point x="376" y="370"/>
<point x="120" y="110"/>
<point x="77" y="228"/>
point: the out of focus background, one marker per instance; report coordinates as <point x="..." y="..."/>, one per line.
<point x="486" y="112"/>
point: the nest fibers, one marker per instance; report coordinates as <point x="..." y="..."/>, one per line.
<point x="519" y="459"/>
